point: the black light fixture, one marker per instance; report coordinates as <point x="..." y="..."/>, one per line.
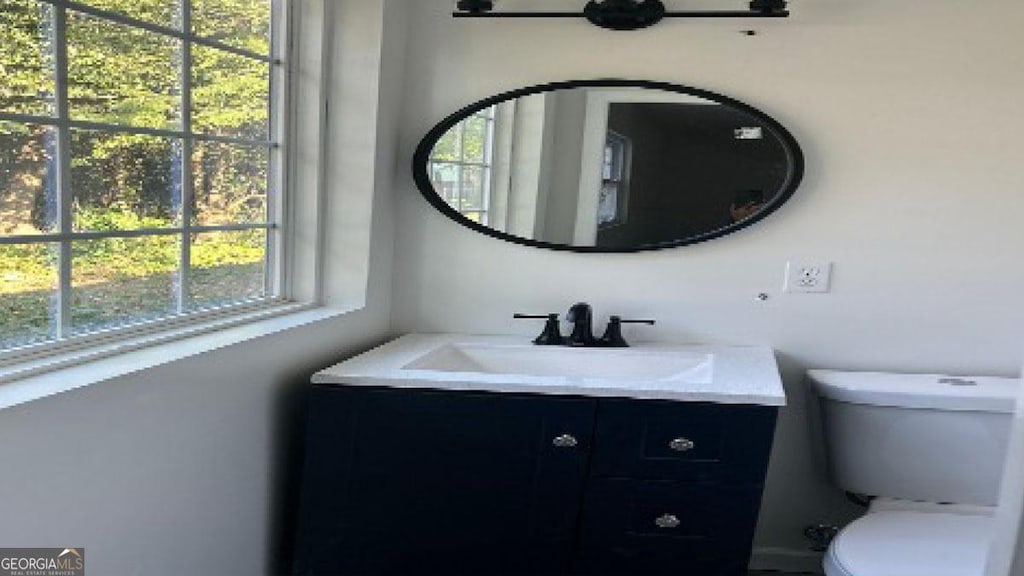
<point x="624" y="14"/>
<point x="475" y="6"/>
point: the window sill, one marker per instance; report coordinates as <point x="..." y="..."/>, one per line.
<point x="28" y="381"/>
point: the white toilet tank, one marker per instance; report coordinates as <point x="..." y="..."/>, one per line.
<point x="916" y="436"/>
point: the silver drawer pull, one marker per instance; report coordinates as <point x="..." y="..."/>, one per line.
<point x="667" y="521"/>
<point x="565" y="441"/>
<point x="682" y="445"/>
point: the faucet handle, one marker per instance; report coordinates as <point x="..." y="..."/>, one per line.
<point x="624" y="321"/>
<point x="552" y="335"/>
<point x="613" y="334"/>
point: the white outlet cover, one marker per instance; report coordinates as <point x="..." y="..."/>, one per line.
<point x="808" y="276"/>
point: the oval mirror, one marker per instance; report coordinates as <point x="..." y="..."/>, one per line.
<point x="608" y="166"/>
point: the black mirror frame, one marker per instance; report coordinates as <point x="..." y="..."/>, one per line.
<point x="426" y="145"/>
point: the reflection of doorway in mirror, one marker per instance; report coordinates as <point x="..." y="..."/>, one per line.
<point x="460" y="165"/>
<point x="596" y="125"/>
<point x="614" y="194"/>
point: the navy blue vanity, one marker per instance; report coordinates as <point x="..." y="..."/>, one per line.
<point x="400" y="479"/>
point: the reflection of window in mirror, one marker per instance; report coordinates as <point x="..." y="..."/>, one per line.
<point x="461" y="163"/>
<point x="611" y="204"/>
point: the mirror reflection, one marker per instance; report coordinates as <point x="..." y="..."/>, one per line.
<point x="610" y="168"/>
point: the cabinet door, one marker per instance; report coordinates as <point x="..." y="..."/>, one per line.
<point x="430" y="482"/>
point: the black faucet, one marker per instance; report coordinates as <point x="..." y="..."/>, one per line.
<point x="581" y="316"/>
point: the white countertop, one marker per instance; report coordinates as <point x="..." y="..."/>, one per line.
<point x="739" y="374"/>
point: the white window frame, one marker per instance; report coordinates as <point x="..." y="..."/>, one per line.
<point x="486" y="167"/>
<point x="278" y="268"/>
<point x="343" y="56"/>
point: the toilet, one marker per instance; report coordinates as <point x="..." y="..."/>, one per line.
<point x="929" y="450"/>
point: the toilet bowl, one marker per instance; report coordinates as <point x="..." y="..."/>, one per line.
<point x="906" y="539"/>
<point x="930" y="449"/>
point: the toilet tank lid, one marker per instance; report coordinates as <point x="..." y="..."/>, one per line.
<point x="934" y="391"/>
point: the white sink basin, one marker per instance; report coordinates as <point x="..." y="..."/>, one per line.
<point x="604" y="363"/>
<point x="510" y="364"/>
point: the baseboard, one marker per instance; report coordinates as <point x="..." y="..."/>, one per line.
<point x="786" y="560"/>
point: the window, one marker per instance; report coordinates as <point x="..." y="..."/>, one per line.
<point x="614" y="194"/>
<point x="460" y="165"/>
<point x="140" y="166"/>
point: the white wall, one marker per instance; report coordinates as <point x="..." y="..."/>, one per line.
<point x="566" y="151"/>
<point x="907" y="112"/>
<point x="190" y="469"/>
<point x="526" y="185"/>
<point x="178" y="470"/>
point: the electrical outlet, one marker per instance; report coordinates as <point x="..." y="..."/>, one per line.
<point x="804" y="276"/>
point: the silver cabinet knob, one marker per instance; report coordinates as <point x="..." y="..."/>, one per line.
<point x="667" y="521"/>
<point x="565" y="441"/>
<point x="682" y="445"/>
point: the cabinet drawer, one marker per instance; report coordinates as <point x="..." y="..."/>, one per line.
<point x="653" y="527"/>
<point x="671" y="440"/>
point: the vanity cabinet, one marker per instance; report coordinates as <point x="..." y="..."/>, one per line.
<point x="413" y="481"/>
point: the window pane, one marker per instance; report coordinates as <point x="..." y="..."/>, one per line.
<point x="239" y="23"/>
<point x="122" y="75"/>
<point x="125" y="181"/>
<point x="608" y="204"/>
<point x="474" y="141"/>
<point x="230" y="94"/>
<point x="227" y="267"/>
<point x="447" y="147"/>
<point x="165" y="13"/>
<point x="446" y="179"/>
<point x="28" y="183"/>
<point x="28" y="287"/>
<point x="119" y="281"/>
<point x="472" y="188"/>
<point x="230" y="183"/>
<point x="27" y="82"/>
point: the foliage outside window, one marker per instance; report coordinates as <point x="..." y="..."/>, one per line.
<point x="460" y="165"/>
<point x="137" y="162"/>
